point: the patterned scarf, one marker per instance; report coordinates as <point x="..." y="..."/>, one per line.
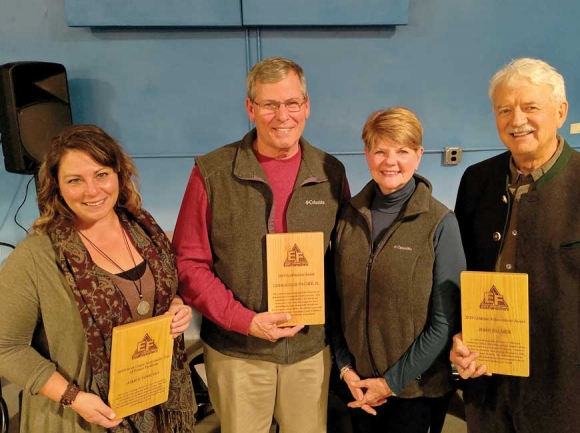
<point x="102" y="307"/>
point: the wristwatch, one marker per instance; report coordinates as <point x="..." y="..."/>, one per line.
<point x="344" y="369"/>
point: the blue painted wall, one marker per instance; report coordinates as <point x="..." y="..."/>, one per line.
<point x="168" y="94"/>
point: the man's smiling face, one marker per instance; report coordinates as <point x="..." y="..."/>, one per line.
<point x="279" y="131"/>
<point x="527" y="119"/>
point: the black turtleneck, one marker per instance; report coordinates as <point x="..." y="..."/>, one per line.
<point x="385" y="208"/>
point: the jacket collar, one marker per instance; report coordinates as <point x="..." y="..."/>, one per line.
<point x="417" y="204"/>
<point x="558" y="166"/>
<point x="543" y="181"/>
<point x="247" y="167"/>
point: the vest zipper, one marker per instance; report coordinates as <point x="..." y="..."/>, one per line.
<point x="372" y="360"/>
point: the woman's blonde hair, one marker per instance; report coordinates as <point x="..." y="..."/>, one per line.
<point x="396" y="124"/>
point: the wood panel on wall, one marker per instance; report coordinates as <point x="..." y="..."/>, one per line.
<point x="325" y="12"/>
<point x="228" y="13"/>
<point x="207" y="13"/>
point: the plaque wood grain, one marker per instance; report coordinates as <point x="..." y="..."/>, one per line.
<point x="495" y="320"/>
<point x="140" y="365"/>
<point x="296" y="276"/>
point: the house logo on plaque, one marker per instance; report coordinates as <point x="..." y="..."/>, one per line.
<point x="145" y="347"/>
<point x="295" y="257"/>
<point x="493" y="300"/>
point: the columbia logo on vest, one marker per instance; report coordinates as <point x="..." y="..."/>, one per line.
<point x="400" y="247"/>
<point x="309" y="202"/>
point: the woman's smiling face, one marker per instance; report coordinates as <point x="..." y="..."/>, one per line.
<point x="392" y="165"/>
<point x="89" y="189"/>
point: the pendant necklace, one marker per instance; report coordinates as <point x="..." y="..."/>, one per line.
<point x="143" y="307"/>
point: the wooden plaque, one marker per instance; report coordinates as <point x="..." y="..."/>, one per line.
<point x="140" y="365"/>
<point x="495" y="320"/>
<point x="296" y="276"/>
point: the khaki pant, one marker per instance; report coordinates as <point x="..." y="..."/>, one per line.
<point x="247" y="393"/>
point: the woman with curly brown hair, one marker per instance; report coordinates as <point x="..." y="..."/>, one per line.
<point x="96" y="260"/>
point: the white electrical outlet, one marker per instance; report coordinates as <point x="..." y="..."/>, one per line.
<point x="575" y="128"/>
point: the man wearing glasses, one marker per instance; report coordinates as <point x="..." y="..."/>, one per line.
<point x="272" y="181"/>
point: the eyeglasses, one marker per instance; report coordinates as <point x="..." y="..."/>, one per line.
<point x="272" y="106"/>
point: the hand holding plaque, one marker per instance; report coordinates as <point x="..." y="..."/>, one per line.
<point x="141" y="356"/>
<point x="495" y="320"/>
<point x="296" y="276"/>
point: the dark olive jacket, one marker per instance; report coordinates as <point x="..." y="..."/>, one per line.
<point x="548" y="250"/>
<point x="242" y="212"/>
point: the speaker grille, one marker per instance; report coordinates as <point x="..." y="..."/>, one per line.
<point x="34" y="106"/>
<point x="39" y="123"/>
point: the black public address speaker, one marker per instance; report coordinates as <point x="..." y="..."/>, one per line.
<point x="34" y="106"/>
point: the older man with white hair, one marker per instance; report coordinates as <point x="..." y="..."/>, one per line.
<point x="518" y="212"/>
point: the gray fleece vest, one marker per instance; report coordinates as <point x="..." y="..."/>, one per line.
<point x="242" y="208"/>
<point x="385" y="294"/>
